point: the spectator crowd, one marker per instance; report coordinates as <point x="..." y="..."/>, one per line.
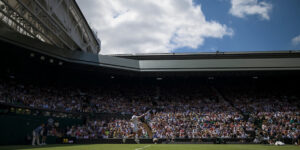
<point x="181" y="111"/>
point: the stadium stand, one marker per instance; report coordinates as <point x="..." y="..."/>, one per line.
<point x="183" y="110"/>
<point x="83" y="97"/>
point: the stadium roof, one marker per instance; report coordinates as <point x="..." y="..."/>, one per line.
<point x="212" y="55"/>
<point x="158" y="63"/>
<point x="59" y="23"/>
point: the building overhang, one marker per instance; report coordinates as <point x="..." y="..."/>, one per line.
<point x="206" y="62"/>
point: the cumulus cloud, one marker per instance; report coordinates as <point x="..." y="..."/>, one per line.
<point x="242" y="8"/>
<point x="150" y="26"/>
<point x="296" y="40"/>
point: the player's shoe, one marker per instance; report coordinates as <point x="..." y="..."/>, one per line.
<point x="137" y="141"/>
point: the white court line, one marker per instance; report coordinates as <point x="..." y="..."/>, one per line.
<point x="143" y="147"/>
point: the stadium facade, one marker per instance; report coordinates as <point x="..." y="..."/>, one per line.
<point x="158" y="63"/>
<point x="58" y="30"/>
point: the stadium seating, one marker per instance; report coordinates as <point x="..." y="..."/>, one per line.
<point x="185" y="111"/>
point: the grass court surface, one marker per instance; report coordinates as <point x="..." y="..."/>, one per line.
<point x="153" y="147"/>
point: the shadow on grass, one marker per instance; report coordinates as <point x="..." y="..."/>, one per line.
<point x="27" y="147"/>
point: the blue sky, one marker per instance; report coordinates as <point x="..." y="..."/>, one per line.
<point x="147" y="26"/>
<point x="252" y="33"/>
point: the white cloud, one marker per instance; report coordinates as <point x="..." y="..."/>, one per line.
<point x="150" y="26"/>
<point x="296" y="40"/>
<point x="241" y="8"/>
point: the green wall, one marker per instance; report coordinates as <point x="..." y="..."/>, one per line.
<point x="14" y="129"/>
